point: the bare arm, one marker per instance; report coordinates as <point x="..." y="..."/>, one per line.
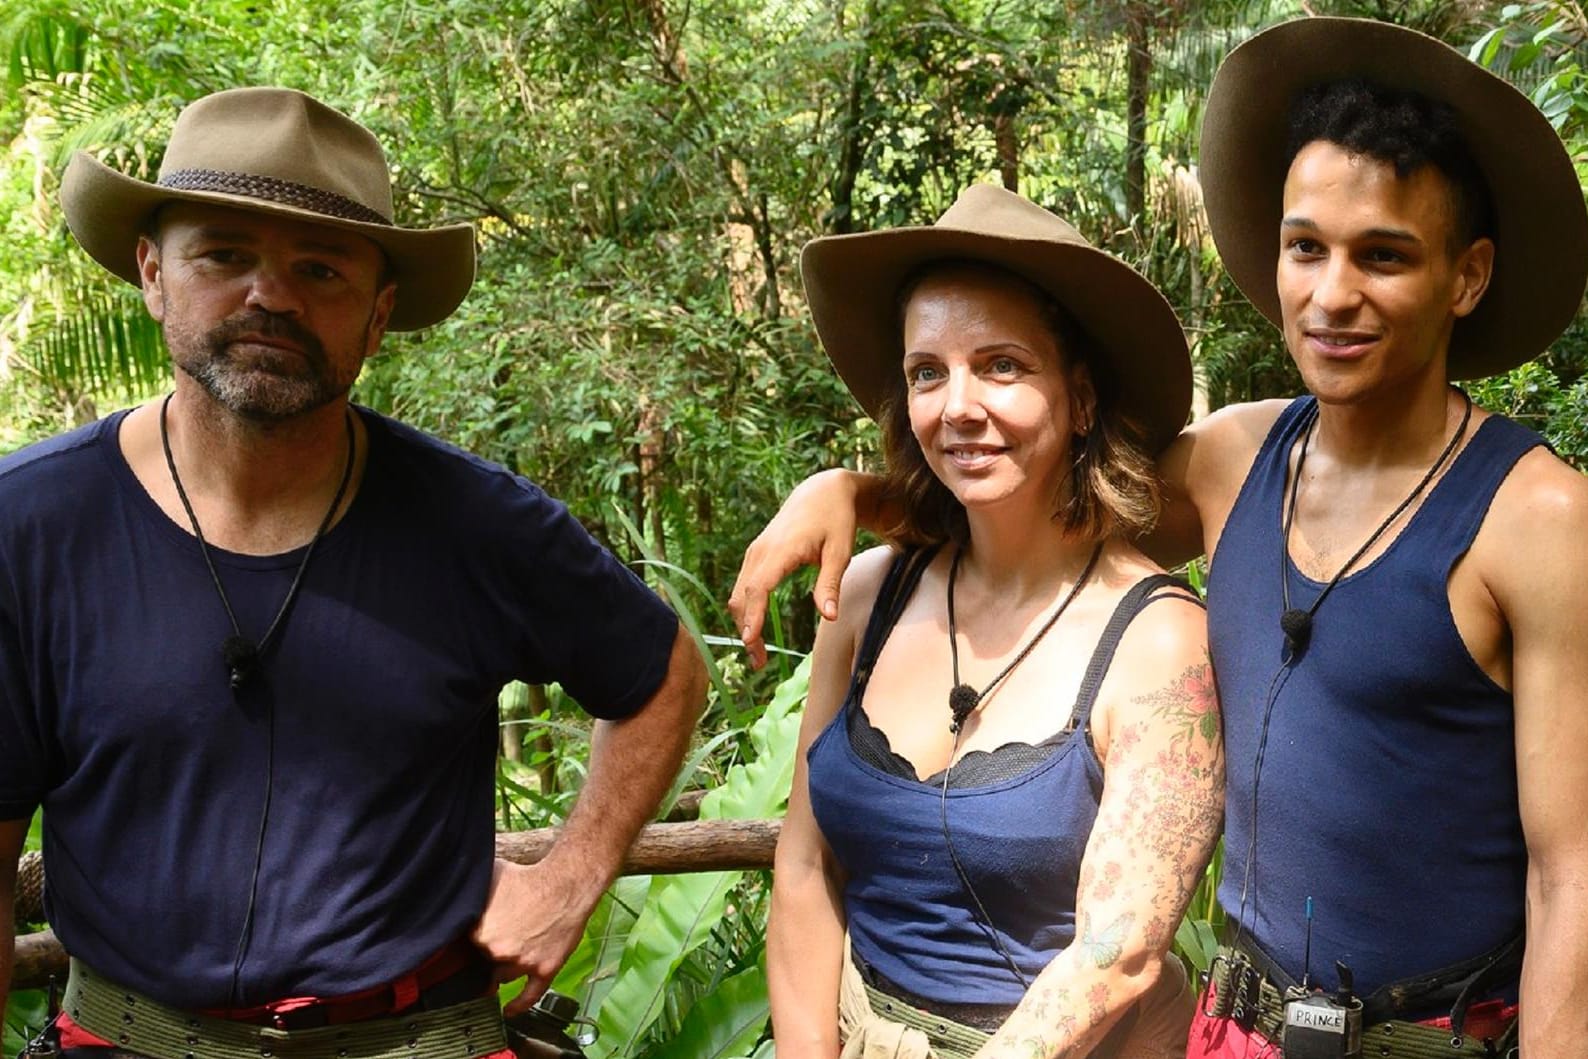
<point x="1538" y="586"/>
<point x="816" y="524"/>
<point x="12" y="834"/>
<point x="537" y="912"/>
<point x="1162" y="807"/>
<point x="805" y="933"/>
<point x="1202" y="472"/>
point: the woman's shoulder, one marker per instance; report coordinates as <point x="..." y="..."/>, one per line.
<point x="1127" y="566"/>
<point x="1170" y="623"/>
<point x="1161" y="679"/>
<point x="863" y="582"/>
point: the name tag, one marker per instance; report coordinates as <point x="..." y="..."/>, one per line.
<point x="1327" y="1019"/>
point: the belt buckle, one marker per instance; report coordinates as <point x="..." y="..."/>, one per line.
<point x="1246" y="996"/>
<point x="308" y="1017"/>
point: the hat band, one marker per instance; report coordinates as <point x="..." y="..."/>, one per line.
<point x="269" y="189"/>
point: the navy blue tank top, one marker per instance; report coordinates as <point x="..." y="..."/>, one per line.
<point x="1019" y="839"/>
<point x="1388" y="784"/>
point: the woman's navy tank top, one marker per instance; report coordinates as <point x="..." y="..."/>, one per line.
<point x="1019" y="839"/>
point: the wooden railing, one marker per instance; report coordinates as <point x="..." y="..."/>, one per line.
<point x="660" y="849"/>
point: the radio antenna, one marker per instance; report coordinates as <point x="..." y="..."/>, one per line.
<point x="1306" y="958"/>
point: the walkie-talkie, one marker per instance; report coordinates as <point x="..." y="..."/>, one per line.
<point x="45" y="1044"/>
<point x="1318" y="1024"/>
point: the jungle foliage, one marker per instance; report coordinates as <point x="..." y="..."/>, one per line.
<point x="642" y="174"/>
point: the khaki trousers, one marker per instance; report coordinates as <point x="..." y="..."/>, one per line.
<point x="1154" y="1029"/>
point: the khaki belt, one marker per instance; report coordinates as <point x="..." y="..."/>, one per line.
<point x="949" y="1039"/>
<point x="137" y="1024"/>
<point x="1243" y="993"/>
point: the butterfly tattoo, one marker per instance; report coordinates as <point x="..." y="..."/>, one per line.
<point x="1106" y="946"/>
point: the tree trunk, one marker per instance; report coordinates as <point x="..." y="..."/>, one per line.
<point x="513" y="712"/>
<point x="664" y="42"/>
<point x="1006" y="137"/>
<point x="852" y="145"/>
<point x="1138" y="68"/>
<point x="652" y="441"/>
<point x="546" y="771"/>
<point x="771" y="299"/>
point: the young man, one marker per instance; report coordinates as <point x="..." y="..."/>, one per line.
<point x="251" y="637"/>
<point x="1394" y="612"/>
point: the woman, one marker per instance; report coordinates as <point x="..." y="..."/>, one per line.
<point x="1010" y="770"/>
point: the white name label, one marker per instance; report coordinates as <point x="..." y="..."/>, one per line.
<point x="1331" y="1020"/>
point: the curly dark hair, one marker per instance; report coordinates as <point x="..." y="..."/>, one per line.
<point x="1112" y="486"/>
<point x="1404" y="129"/>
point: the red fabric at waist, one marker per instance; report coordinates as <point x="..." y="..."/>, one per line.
<point x="1485" y="1021"/>
<point x="74" y="1036"/>
<point x="1222" y="1038"/>
<point x="390" y="998"/>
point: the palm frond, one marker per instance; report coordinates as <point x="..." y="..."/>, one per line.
<point x="88" y="335"/>
<point x="42" y="42"/>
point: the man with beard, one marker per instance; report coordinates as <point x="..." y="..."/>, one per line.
<point x="252" y="637"/>
<point x="1395" y="608"/>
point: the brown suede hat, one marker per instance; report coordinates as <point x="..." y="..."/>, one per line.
<point x="1541" y="226"/>
<point x="853" y="281"/>
<point x="282" y="152"/>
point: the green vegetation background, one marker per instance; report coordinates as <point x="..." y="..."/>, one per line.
<point x="643" y="174"/>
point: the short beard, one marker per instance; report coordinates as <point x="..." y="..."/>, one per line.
<point x="260" y="394"/>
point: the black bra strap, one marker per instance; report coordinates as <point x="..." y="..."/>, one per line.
<point x="897" y="588"/>
<point x="1141" y="595"/>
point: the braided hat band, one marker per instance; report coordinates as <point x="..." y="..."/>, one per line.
<point x="269" y="189"/>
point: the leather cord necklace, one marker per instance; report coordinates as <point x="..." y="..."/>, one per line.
<point x="242" y="655"/>
<point x="962" y="698"/>
<point x="1295" y="622"/>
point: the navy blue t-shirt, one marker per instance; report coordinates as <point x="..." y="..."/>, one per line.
<point x="374" y="716"/>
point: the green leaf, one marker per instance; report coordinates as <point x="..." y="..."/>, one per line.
<point x="682" y="910"/>
<point x="678" y="916"/>
<point x="1196" y="940"/>
<point x="687" y="774"/>
<point x="1209" y="727"/>
<point x="760" y="787"/>
<point x="592" y="967"/>
<point x="726" y="1022"/>
<point x="1487" y="47"/>
<point x="25" y="1014"/>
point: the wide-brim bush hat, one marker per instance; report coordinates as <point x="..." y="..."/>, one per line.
<point x="1541" y="226"/>
<point x="852" y="284"/>
<point x="280" y="152"/>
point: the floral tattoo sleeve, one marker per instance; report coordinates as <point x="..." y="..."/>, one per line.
<point x="1159" y="819"/>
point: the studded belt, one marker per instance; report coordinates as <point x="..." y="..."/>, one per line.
<point x="136" y="1023"/>
<point x="1245" y="992"/>
<point x="949" y="1039"/>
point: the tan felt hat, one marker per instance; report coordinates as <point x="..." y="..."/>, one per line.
<point x="852" y="283"/>
<point x="1541" y="226"/>
<point x="282" y="152"/>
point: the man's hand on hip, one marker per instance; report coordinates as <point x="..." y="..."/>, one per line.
<point x="533" y="918"/>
